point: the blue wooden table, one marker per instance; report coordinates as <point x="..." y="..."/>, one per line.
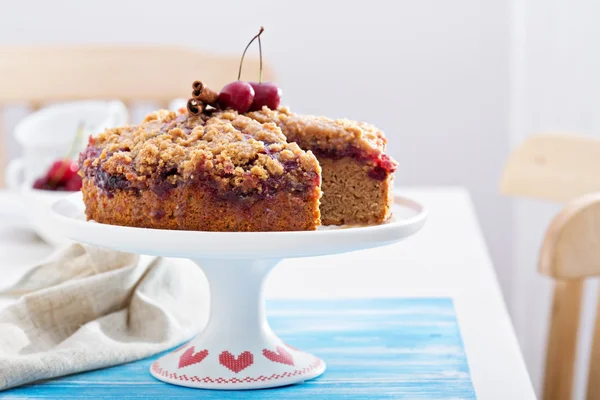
<point x="375" y="349"/>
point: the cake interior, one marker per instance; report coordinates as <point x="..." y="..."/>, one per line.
<point x="351" y="195"/>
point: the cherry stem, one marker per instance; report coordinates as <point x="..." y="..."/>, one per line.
<point x="260" y="54"/>
<point x="244" y="53"/>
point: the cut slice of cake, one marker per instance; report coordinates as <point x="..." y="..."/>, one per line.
<point x="218" y="171"/>
<point x="357" y="174"/>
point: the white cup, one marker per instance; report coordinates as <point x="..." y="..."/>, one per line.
<point x="48" y="134"/>
<point x="37" y="204"/>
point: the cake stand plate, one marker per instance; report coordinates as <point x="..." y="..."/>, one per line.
<point x="237" y="349"/>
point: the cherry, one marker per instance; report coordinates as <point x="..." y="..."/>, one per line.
<point x="61" y="171"/>
<point x="74" y="184"/>
<point x="265" y="94"/>
<point x="237" y="95"/>
<point x="62" y="174"/>
<point x="41" y="183"/>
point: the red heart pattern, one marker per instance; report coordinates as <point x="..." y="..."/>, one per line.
<point x="236" y="364"/>
<point x="282" y="356"/>
<point x="189" y="358"/>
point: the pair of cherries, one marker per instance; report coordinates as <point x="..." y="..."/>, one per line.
<point x="62" y="175"/>
<point x="250" y="96"/>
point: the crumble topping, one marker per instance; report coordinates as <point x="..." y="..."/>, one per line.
<point x="236" y="151"/>
<point x="325" y="135"/>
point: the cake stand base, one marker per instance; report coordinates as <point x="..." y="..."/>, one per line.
<point x="237" y="349"/>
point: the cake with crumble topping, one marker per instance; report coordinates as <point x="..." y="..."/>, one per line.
<point x="357" y="175"/>
<point x="235" y="160"/>
<point x="216" y="171"/>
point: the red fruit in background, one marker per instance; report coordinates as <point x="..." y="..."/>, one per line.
<point x="73" y="184"/>
<point x="62" y="175"/>
<point x="41" y="183"/>
<point x="62" y="171"/>
<point x="237" y="95"/>
<point x="265" y="94"/>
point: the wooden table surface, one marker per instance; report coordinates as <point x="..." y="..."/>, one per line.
<point x="448" y="258"/>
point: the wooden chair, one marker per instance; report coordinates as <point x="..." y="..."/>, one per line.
<point x="159" y="74"/>
<point x="564" y="168"/>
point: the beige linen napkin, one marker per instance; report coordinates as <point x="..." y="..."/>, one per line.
<point x="87" y="308"/>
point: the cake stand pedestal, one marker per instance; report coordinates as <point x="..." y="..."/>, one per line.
<point x="237" y="349"/>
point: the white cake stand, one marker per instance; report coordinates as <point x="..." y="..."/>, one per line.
<point x="237" y="349"/>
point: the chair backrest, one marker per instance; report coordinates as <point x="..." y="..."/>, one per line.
<point x="38" y="75"/>
<point x="555" y="167"/>
<point x="564" y="168"/>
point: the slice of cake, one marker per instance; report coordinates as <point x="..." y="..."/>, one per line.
<point x="357" y="174"/>
<point x="217" y="171"/>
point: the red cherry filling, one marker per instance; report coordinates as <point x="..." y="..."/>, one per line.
<point x="265" y="94"/>
<point x="237" y="95"/>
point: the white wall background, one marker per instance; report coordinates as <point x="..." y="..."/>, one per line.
<point x="455" y="85"/>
